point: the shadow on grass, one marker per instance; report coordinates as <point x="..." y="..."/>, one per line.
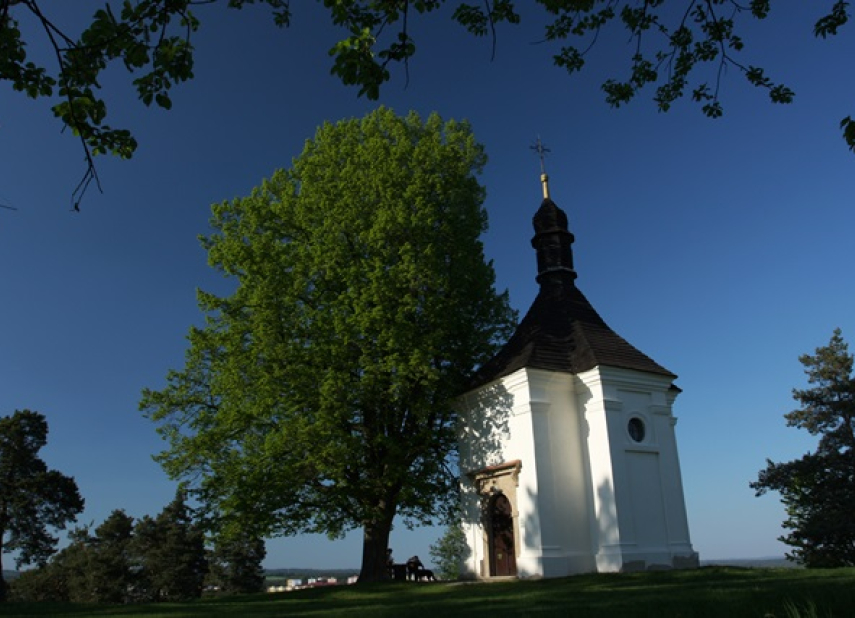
<point x="702" y="593"/>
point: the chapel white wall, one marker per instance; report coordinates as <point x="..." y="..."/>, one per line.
<point x="587" y="497"/>
<point x="639" y="501"/>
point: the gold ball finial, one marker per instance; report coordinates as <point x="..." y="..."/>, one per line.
<point x="544" y="180"/>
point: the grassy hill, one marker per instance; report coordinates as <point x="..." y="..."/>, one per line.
<point x="703" y="593"/>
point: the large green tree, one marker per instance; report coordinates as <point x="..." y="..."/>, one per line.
<point x="676" y="47"/>
<point x="33" y="498"/>
<point x="818" y="489"/>
<point x="316" y="398"/>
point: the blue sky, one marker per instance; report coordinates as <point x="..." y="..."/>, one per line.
<point x="722" y="249"/>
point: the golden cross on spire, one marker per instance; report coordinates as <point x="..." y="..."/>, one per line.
<point x="541" y="151"/>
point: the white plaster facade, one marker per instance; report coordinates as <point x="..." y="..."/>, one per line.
<point x="585" y="494"/>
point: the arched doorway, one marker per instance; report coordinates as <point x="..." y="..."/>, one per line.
<point x="503" y="561"/>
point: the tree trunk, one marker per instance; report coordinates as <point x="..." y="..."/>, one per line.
<point x="375" y="541"/>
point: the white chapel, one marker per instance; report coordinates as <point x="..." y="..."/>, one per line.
<point x="568" y="455"/>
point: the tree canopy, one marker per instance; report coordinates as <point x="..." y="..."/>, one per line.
<point x="818" y="489"/>
<point x="677" y="49"/>
<point x="449" y="552"/>
<point x="33" y="498"/>
<point x="154" y="559"/>
<point x="111" y="569"/>
<point x="317" y="397"/>
<point x="235" y="564"/>
<point x="170" y="553"/>
<point x="92" y="568"/>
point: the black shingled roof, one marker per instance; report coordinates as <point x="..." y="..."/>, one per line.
<point x="563" y="332"/>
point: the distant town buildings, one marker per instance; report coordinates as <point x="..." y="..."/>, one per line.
<point x="311" y="582"/>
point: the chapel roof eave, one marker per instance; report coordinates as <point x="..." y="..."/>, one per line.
<point x="564" y="333"/>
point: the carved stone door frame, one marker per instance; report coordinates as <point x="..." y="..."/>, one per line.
<point x="491" y="483"/>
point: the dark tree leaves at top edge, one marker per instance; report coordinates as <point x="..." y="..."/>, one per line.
<point x="677" y="49"/>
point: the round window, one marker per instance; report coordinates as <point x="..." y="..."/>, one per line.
<point x="636" y="429"/>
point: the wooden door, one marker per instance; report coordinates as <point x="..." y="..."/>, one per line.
<point x="503" y="561"/>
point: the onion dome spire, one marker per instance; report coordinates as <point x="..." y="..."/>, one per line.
<point x="552" y="239"/>
<point x="561" y="332"/>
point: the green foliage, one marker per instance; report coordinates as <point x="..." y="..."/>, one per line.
<point x="111" y="573"/>
<point x="160" y="559"/>
<point x="317" y="398"/>
<point x="828" y="25"/>
<point x="818" y="489"/>
<point x="90" y="569"/>
<point x="848" y="126"/>
<point x="32" y="497"/>
<point x="449" y="552"/>
<point x="170" y="554"/>
<point x="235" y="565"/>
<point x="65" y="578"/>
<point x="795" y="610"/>
<point x="71" y="569"/>
<point x="152" y="40"/>
<point x="45" y="584"/>
<point x="148" y="36"/>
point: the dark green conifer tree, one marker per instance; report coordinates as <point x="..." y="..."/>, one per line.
<point x="170" y="554"/>
<point x="235" y="564"/>
<point x="110" y="572"/>
<point x="818" y="489"/>
<point x="33" y="498"/>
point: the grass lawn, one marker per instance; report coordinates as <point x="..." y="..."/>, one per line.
<point x="706" y="592"/>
